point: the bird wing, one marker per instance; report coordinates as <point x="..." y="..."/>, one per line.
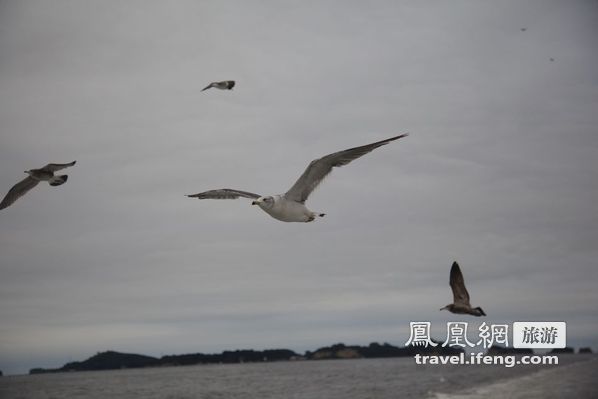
<point x="53" y="167"/>
<point x="460" y="294"/>
<point x="208" y="86"/>
<point x="318" y="169"/>
<point x="224" y="193"/>
<point x="17" y="191"/>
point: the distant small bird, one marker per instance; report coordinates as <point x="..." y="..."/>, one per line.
<point x="460" y="295"/>
<point x="290" y="207"/>
<point x="35" y="176"/>
<point x="551" y="59"/>
<point x="224" y="85"/>
<point x="523" y="29"/>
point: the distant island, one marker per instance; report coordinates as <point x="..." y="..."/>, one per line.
<point x="111" y="360"/>
<point x="565" y="350"/>
<point x="501" y="350"/>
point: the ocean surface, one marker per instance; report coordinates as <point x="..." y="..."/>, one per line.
<point x="574" y="377"/>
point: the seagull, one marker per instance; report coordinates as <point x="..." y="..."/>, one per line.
<point x="224" y="85"/>
<point x="460" y="295"/>
<point x="35" y="176"/>
<point x="290" y="207"/>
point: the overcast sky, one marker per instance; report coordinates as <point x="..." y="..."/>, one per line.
<point x="500" y="172"/>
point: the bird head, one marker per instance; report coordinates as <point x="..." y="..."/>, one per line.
<point x="266" y="202"/>
<point x="448" y="307"/>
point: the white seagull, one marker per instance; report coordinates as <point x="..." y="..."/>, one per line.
<point x="224" y="85"/>
<point x="290" y="207"/>
<point x="35" y="176"/>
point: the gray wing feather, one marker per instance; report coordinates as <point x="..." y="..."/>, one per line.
<point x="320" y="168"/>
<point x="224" y="193"/>
<point x="17" y="191"/>
<point x="53" y="167"/>
<point x="460" y="294"/>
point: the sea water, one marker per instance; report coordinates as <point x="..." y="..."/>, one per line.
<point x="575" y="376"/>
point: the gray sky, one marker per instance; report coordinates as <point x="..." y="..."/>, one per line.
<point x="500" y="172"/>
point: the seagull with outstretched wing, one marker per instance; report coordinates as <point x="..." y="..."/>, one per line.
<point x="34" y="177"/>
<point x="290" y="207"/>
<point x="460" y="303"/>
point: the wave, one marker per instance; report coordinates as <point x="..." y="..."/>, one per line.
<point x="576" y="379"/>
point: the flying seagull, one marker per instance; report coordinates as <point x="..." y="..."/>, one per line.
<point x="224" y="85"/>
<point x="290" y="207"/>
<point x="460" y="295"/>
<point x="35" y="176"/>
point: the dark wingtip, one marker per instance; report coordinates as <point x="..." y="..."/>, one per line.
<point x="63" y="179"/>
<point x="455" y="270"/>
<point x="384" y="142"/>
<point x="400" y="136"/>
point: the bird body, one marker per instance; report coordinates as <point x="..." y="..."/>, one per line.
<point x="40" y="174"/>
<point x="286" y="210"/>
<point x="223" y="85"/>
<point x="34" y="177"/>
<point x="460" y="303"/>
<point x="458" y="308"/>
<point x="290" y="207"/>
